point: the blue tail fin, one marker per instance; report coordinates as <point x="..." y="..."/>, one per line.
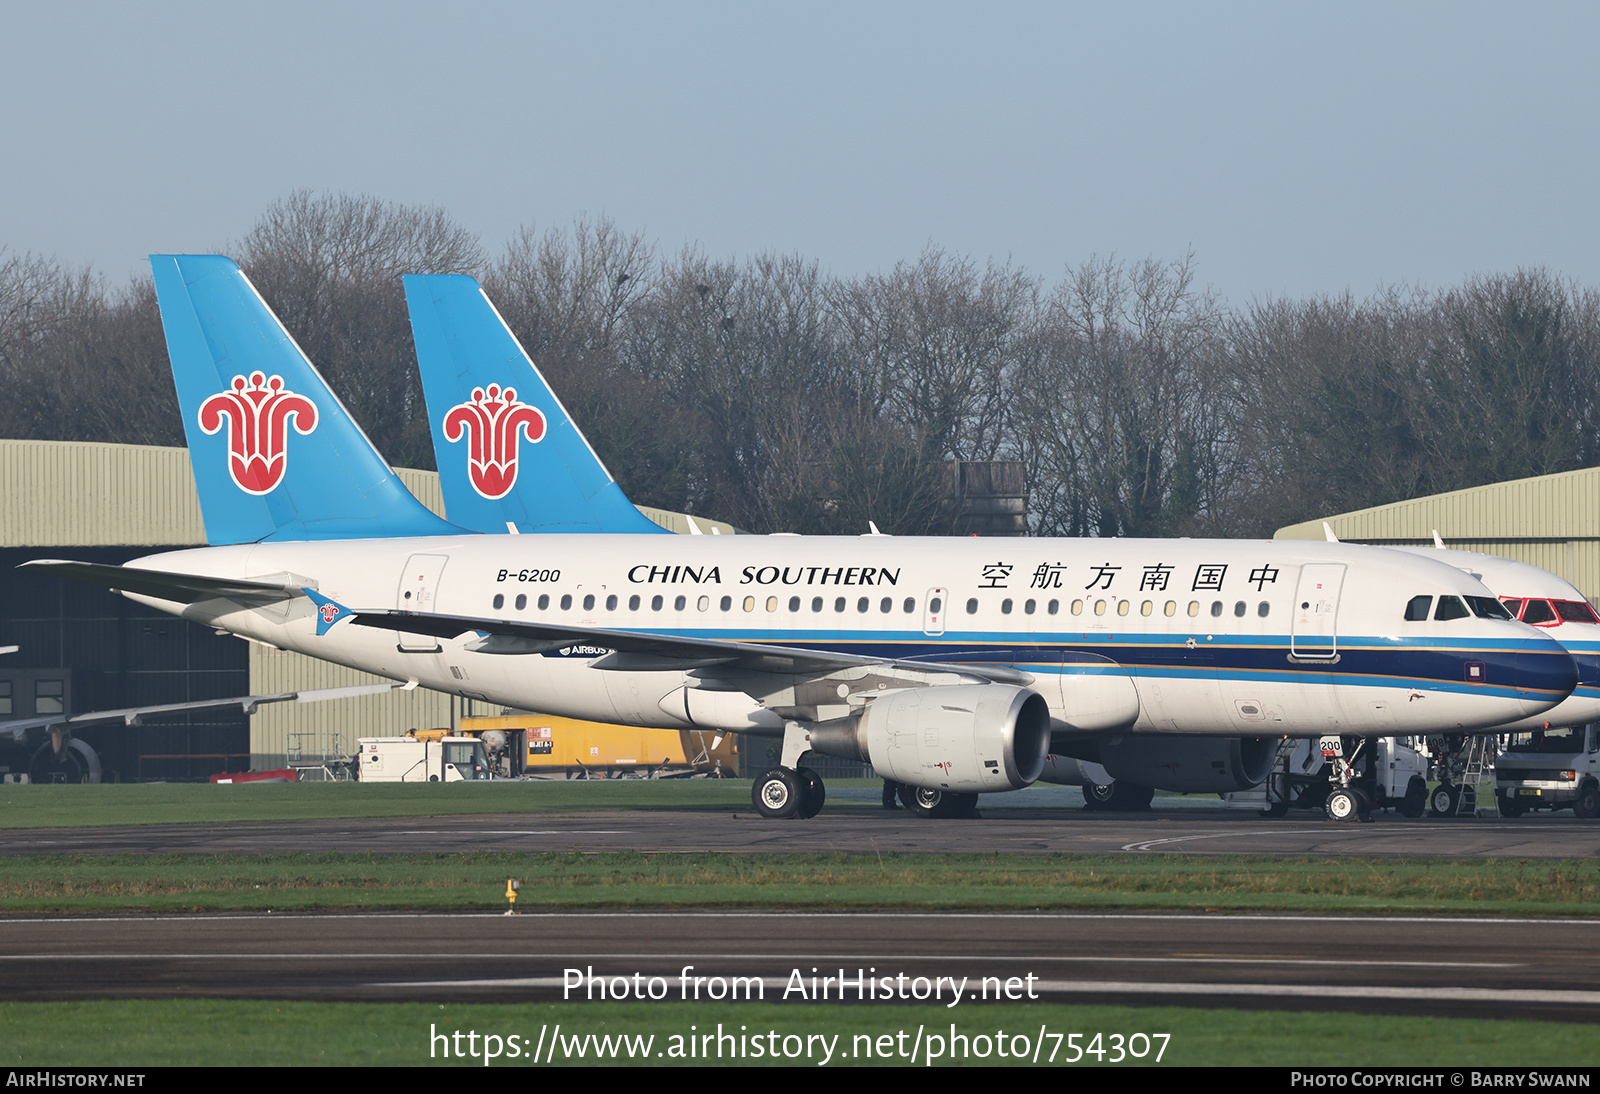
<point x="275" y="454"/>
<point x="508" y="452"/>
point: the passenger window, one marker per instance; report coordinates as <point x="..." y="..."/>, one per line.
<point x="726" y="604"/>
<point x="1263" y="609"/>
<point x="1054" y="607"/>
<point x="566" y="602"/>
<point x="911" y="605"/>
<point x="1146" y="608"/>
<point x="522" y="601"/>
<point x="1171" y="609"/>
<point x="1005" y="606"/>
<point x="588" y="603"/>
<point x="972" y="606"/>
<point x="863" y="604"/>
<point x="704" y="604"/>
<point x="655" y="603"/>
<point x="544" y="601"/>
<point x="838" y="604"/>
<point x="1417" y="608"/>
<point x="1028" y="606"/>
<point x="1450" y="607"/>
<point x="1194" y="608"/>
<point x="680" y="602"/>
<point x="1077" y="607"/>
<point x="794" y="603"/>
<point x="1099" y="607"/>
<point x="499" y="601"/>
<point x="772" y="603"/>
<point x="1216" y="609"/>
<point x="887" y="606"/>
<point x="1123" y="606"/>
<point x="633" y="603"/>
<point x="611" y="603"/>
<point x="816" y="603"/>
<point x="749" y="603"/>
<point x="1239" y="610"/>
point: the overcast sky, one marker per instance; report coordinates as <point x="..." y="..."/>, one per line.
<point x="1296" y="148"/>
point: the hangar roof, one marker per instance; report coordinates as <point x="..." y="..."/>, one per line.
<point x="1549" y="507"/>
<point x="84" y="494"/>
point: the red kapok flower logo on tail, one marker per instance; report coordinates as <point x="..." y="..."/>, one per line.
<point x="493" y="423"/>
<point x="258" y="412"/>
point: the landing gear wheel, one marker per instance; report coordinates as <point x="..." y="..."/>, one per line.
<point x="1415" y="803"/>
<point x="812" y="793"/>
<point x="1130" y="797"/>
<point x="938" y="804"/>
<point x="1099" y="798"/>
<point x="1363" y="805"/>
<point x="1588" y="804"/>
<point x="777" y="794"/>
<point x="1342" y="805"/>
<point x="1510" y="808"/>
<point x="1444" y="800"/>
<point x="1275" y="809"/>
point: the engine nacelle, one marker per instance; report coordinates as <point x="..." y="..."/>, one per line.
<point x="1188" y="765"/>
<point x="969" y="739"/>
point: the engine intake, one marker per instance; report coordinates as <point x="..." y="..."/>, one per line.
<point x="968" y="739"/>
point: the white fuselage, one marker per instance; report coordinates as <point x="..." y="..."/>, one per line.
<point x="1222" y="638"/>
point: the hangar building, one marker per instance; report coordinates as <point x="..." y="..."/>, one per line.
<point x="1552" y="522"/>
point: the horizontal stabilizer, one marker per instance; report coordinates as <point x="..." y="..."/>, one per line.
<point x="179" y="588"/>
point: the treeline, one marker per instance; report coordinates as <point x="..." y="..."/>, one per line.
<point x="767" y="393"/>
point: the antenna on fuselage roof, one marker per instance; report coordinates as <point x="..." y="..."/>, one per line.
<point x="1327" y="531"/>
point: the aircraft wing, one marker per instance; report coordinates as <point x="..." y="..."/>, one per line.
<point x="638" y="651"/>
<point x="180" y="588"/>
<point x="132" y="716"/>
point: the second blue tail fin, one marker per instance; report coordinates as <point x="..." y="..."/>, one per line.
<point x="275" y="454"/>
<point x="510" y="457"/>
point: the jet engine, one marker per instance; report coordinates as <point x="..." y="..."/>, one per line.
<point x="966" y="739"/>
<point x="64" y="759"/>
<point x="1187" y="765"/>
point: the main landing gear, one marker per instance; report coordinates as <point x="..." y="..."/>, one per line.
<point x="937" y="803"/>
<point x="784" y="792"/>
<point x="789" y="790"/>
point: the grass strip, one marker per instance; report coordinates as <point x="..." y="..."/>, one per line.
<point x="80" y="806"/>
<point x="131" y="1034"/>
<point x="473" y="881"/>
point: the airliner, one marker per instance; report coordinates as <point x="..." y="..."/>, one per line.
<point x="951" y="665"/>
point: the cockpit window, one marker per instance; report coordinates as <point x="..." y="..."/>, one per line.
<point x="1417" y="608"/>
<point x="1450" y="607"/>
<point x="1575" y="611"/>
<point x="1514" y="607"/>
<point x="1537" y="612"/>
<point x="1487" y="607"/>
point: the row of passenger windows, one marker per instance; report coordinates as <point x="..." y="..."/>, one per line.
<point x="886" y="605"/>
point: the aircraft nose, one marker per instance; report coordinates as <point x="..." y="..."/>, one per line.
<point x="1545" y="673"/>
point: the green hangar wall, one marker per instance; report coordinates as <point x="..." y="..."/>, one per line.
<point x="1552" y="522"/>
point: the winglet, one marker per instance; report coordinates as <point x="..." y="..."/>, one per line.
<point x="329" y="611"/>
<point x="1327" y="530"/>
<point x="1437" y="542"/>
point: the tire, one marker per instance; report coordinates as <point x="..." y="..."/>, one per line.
<point x="1130" y="797"/>
<point x="1342" y="805"/>
<point x="812" y="793"/>
<point x="1415" y="803"/>
<point x="1510" y="808"/>
<point x="1276" y="809"/>
<point x="934" y="804"/>
<point x="1444" y="799"/>
<point x="1588" y="804"/>
<point x="777" y="794"/>
<point x="1097" y="799"/>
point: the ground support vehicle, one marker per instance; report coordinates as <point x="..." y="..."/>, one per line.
<point x="1550" y="769"/>
<point x="414" y="760"/>
<point x="1345" y="777"/>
